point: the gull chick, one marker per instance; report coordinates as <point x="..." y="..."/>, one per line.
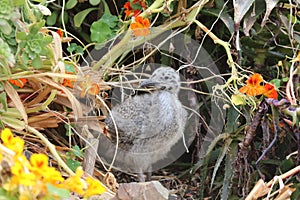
<point x="148" y="125"/>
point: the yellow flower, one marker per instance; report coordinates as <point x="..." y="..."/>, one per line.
<point x="15" y="144"/>
<point x="51" y="175"/>
<point x="39" y="164"/>
<point x="74" y="183"/>
<point x="94" y="187"/>
<point x="20" y="176"/>
<point x="6" y="136"/>
<point x="1" y="155"/>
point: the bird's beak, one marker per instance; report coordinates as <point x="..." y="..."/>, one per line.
<point x="148" y="84"/>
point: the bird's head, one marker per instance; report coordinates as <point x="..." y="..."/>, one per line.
<point x="163" y="78"/>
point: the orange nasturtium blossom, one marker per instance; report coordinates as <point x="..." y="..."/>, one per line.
<point x="68" y="83"/>
<point x="253" y="86"/>
<point x="140" y="26"/>
<point x="18" y="82"/>
<point x="129" y="10"/>
<point x="60" y="33"/>
<point x="270" y="91"/>
<point x="139" y="6"/>
<point x="89" y="87"/>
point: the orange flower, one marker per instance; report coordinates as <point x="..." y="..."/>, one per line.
<point x="270" y="91"/>
<point x="68" y="83"/>
<point x="60" y="33"/>
<point x="140" y="27"/>
<point x="253" y="87"/>
<point x="89" y="86"/>
<point x="18" y="82"/>
<point x="140" y="4"/>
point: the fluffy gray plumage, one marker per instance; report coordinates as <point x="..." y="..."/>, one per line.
<point x="150" y="124"/>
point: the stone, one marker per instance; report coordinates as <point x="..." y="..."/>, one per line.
<point x="142" y="191"/>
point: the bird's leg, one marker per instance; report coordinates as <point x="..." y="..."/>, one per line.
<point x="141" y="177"/>
<point x="148" y="176"/>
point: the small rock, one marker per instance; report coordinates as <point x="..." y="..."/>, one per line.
<point x="142" y="191"/>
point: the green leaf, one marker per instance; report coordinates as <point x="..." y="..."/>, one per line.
<point x="21" y="36"/>
<point x="3" y="101"/>
<point x="94" y="2"/>
<point x="285" y="79"/>
<point x="7" y="195"/>
<point x="18" y="2"/>
<point x="79" y="17"/>
<point x="70" y="68"/>
<point x="77" y="151"/>
<point x="100" y="32"/>
<point x="219" y="161"/>
<point x="110" y="20"/>
<point x="73" y="164"/>
<point x="5" y="27"/>
<point x="47" y="39"/>
<point x="228" y="170"/>
<point x="71" y="4"/>
<point x="34" y="28"/>
<point x="238" y="99"/>
<point x="37" y="62"/>
<point x="232" y="120"/>
<point x="51" y="20"/>
<point x="75" y="48"/>
<point x="43" y="9"/>
<point x="276" y="82"/>
<point x="59" y="192"/>
<point x="66" y="17"/>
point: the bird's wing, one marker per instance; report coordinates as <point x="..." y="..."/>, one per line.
<point x="130" y="117"/>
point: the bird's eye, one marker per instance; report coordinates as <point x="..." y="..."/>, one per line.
<point x="163" y="87"/>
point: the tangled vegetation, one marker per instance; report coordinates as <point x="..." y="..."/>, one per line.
<point x="51" y="77"/>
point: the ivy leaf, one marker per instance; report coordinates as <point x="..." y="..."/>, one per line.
<point x="73" y="164"/>
<point x="110" y="20"/>
<point x="75" y="48"/>
<point x="76" y="151"/>
<point x="100" y="32"/>
<point x="70" y="68"/>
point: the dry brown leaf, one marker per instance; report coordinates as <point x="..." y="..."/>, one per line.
<point x="14" y="96"/>
<point x="74" y="102"/>
<point x="40" y="97"/>
<point x="260" y="189"/>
